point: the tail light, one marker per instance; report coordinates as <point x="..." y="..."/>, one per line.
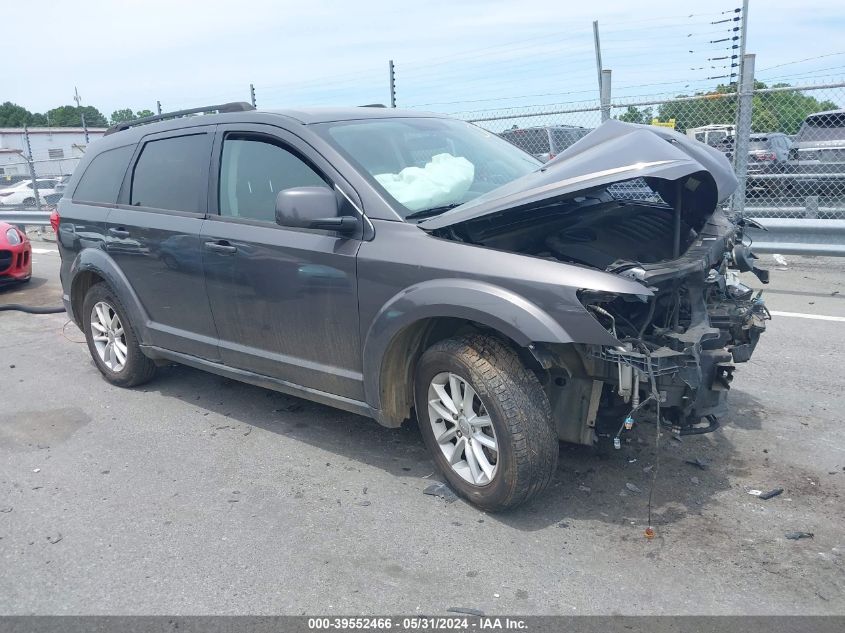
<point x="764" y="155"/>
<point x="54" y="221"/>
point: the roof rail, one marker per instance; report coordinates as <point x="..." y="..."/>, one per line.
<point x="373" y="105"/>
<point x="234" y="106"/>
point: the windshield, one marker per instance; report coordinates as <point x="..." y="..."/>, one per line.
<point x="428" y="165"/>
<point x="826" y="127"/>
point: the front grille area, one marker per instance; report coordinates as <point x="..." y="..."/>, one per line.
<point x="5" y="260"/>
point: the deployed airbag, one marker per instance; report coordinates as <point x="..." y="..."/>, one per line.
<point x="443" y="181"/>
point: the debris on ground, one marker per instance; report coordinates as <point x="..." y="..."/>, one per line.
<point x="771" y="493"/>
<point x="465" y="611"/>
<point x="794" y="536"/>
<point x="363" y="503"/>
<point x="6" y="509"/>
<point x="648" y="469"/>
<point x="633" y="488"/>
<point x="55" y="539"/>
<point x="583" y="488"/>
<point x="697" y="463"/>
<point x="441" y="490"/>
<point x="563" y="524"/>
<point x="780" y="259"/>
<point x="695" y="480"/>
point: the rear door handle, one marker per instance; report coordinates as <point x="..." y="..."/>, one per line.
<point x="119" y="232"/>
<point x="221" y="246"/>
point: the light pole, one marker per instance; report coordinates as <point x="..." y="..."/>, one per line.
<point x="78" y="100"/>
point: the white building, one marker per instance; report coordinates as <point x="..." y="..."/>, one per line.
<point x="55" y="150"/>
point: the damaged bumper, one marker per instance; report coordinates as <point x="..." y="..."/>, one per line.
<point x="679" y="349"/>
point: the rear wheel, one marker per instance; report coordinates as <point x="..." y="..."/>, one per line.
<point x="112" y="341"/>
<point x="486" y="420"/>
<point x="29" y="202"/>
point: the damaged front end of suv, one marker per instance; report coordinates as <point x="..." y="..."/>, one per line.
<point x="641" y="203"/>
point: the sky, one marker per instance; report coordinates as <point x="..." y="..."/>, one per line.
<point x="454" y="56"/>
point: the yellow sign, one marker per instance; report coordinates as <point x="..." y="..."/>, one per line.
<point x="670" y="123"/>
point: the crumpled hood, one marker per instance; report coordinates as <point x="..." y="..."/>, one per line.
<point x="611" y="153"/>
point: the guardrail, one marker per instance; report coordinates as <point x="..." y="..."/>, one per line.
<point x="24" y="217"/>
<point x="790" y="236"/>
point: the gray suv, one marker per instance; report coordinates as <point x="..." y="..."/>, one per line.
<point x="817" y="157"/>
<point x="398" y="265"/>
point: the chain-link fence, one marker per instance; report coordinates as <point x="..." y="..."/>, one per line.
<point x="791" y="160"/>
<point x="37" y="162"/>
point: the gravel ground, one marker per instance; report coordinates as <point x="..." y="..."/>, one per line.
<point x="200" y="495"/>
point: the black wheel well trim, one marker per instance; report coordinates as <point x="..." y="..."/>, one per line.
<point x="94" y="266"/>
<point x="421" y="315"/>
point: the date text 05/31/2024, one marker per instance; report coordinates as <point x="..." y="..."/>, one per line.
<point x="481" y="623"/>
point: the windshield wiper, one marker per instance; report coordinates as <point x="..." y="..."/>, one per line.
<point x="427" y="213"/>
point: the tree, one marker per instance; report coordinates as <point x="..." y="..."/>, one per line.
<point x="13" y="115"/>
<point x="142" y="113"/>
<point x="771" y="111"/>
<point x="119" y="116"/>
<point x="70" y="116"/>
<point x="635" y="115"/>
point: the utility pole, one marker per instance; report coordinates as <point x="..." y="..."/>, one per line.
<point x="252" y="95"/>
<point x="158" y="107"/>
<point x="31" y="165"/>
<point x="604" y="95"/>
<point x="743" y="131"/>
<point x="78" y="100"/>
<point x="597" y="44"/>
<point x="392" y="85"/>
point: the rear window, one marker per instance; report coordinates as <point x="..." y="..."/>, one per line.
<point x="759" y="143"/>
<point x="825" y="127"/>
<point x="103" y="176"/>
<point x="171" y="174"/>
<point x="531" y="140"/>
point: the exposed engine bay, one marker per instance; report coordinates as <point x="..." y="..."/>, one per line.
<point x="678" y="345"/>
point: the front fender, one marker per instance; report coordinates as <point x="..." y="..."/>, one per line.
<point x="99" y="262"/>
<point x="502" y="310"/>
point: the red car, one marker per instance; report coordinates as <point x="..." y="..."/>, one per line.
<point x="15" y="254"/>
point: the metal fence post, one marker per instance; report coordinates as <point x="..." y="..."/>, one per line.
<point x="743" y="131"/>
<point x="31" y="166"/>
<point x="605" y="94"/>
<point x="392" y="80"/>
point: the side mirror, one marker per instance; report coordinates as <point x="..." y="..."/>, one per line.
<point x="312" y="208"/>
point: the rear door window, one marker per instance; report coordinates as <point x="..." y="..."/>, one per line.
<point x="171" y="173"/>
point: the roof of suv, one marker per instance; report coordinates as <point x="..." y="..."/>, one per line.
<point x="325" y="115"/>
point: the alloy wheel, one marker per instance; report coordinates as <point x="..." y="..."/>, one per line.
<point x="108" y="335"/>
<point x="462" y="428"/>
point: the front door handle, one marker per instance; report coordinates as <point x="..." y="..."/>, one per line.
<point x="221" y="246"/>
<point x="119" y="232"/>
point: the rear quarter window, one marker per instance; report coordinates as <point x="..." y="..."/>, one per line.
<point x="103" y="176"/>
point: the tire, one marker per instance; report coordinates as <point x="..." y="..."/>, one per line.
<point x="28" y="202"/>
<point x="136" y="368"/>
<point x="519" y="415"/>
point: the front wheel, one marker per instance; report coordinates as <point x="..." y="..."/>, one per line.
<point x="486" y="420"/>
